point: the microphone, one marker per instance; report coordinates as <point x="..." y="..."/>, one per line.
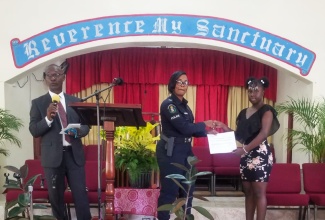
<point x="55" y="99"/>
<point x="117" y="81"/>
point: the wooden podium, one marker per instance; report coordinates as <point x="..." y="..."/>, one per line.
<point x="111" y="116"/>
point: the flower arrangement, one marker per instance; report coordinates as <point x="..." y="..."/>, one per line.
<point x="135" y="150"/>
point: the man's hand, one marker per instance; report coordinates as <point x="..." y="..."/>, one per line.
<point x="74" y="132"/>
<point x="51" y="111"/>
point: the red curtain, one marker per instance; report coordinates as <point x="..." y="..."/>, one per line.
<point x="155" y="65"/>
<point x="143" y="69"/>
<point x="145" y="94"/>
<point x="211" y="104"/>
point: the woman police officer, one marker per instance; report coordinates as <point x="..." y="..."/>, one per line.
<point x="178" y="128"/>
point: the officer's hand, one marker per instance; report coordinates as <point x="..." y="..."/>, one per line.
<point x="219" y="124"/>
<point x="210" y="123"/>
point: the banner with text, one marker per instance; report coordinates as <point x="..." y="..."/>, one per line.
<point x="58" y="38"/>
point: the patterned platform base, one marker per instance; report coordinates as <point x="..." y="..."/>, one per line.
<point x="221" y="208"/>
<point x="232" y="208"/>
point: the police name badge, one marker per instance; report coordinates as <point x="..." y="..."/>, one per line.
<point x="172" y="108"/>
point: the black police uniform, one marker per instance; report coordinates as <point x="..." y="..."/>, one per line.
<point x="176" y="121"/>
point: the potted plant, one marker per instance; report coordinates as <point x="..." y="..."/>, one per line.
<point x="310" y="115"/>
<point x="8" y="123"/>
<point x="135" y="151"/>
<point x="22" y="207"/>
<point x="179" y="207"/>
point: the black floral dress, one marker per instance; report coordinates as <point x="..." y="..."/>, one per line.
<point x="256" y="165"/>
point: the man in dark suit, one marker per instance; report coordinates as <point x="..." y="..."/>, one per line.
<point x="61" y="155"/>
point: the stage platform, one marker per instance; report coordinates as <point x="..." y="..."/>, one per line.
<point x="226" y="205"/>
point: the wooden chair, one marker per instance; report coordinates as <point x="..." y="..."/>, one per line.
<point x="40" y="193"/>
<point x="284" y="187"/>
<point x="314" y="184"/>
<point x="91" y="152"/>
<point x="91" y="168"/>
<point x="203" y="154"/>
<point x="226" y="166"/>
<point x="40" y="185"/>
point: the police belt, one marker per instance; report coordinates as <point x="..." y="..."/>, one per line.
<point x="169" y="146"/>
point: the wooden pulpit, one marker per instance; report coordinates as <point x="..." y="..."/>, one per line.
<point x="111" y="116"/>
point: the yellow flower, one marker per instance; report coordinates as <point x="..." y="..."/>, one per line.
<point x="135" y="149"/>
<point x="134" y="138"/>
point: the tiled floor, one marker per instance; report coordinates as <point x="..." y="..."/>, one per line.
<point x="227" y="205"/>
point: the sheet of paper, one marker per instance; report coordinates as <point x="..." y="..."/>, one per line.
<point x="222" y="142"/>
<point x="70" y="126"/>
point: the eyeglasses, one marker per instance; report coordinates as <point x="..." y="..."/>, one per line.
<point x="181" y="83"/>
<point x="55" y="75"/>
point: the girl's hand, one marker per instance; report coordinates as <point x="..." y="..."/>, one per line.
<point x="239" y="151"/>
<point x="212" y="131"/>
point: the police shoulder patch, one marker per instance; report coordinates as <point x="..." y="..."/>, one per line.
<point x="172" y="108"/>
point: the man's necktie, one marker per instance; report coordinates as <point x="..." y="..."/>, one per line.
<point x="63" y="117"/>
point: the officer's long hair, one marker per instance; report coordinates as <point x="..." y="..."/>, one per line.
<point x="172" y="80"/>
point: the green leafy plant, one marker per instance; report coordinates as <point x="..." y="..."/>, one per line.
<point x="190" y="179"/>
<point x="8" y="123"/>
<point x="20" y="207"/>
<point x="310" y="115"/>
<point x="135" y="150"/>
